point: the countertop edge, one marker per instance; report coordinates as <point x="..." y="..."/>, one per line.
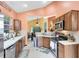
<point x="11" y="41"/>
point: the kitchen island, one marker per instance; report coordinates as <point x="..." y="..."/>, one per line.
<point x="44" y="40"/>
<point x="13" y="46"/>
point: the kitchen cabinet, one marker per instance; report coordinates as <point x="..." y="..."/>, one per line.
<point x="74" y="20"/>
<point x="71" y="19"/>
<point x="78" y="21"/>
<point x="67" y="51"/>
<point x="78" y="51"/>
<point x="61" y="51"/>
<point x="43" y="42"/>
<point x="19" y="47"/>
<point x="46" y="42"/>
<point x="40" y="42"/>
<point x="68" y="21"/>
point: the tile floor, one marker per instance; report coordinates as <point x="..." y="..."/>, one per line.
<point x="33" y="52"/>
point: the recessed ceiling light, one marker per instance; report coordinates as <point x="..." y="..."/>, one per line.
<point x="44" y="1"/>
<point x="25" y="5"/>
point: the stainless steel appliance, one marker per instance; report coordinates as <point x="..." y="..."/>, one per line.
<point x="1" y="46"/>
<point x="54" y="44"/>
<point x="10" y="52"/>
<point x="1" y="35"/>
<point x="59" y="25"/>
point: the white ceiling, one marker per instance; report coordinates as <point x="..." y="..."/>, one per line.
<point x="18" y="6"/>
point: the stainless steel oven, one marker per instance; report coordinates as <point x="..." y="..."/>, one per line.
<point x="53" y="47"/>
<point x="59" y="25"/>
<point x="54" y="44"/>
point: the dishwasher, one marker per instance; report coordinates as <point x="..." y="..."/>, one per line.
<point x="10" y="52"/>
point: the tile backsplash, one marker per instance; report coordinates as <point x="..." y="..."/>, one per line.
<point x="74" y="33"/>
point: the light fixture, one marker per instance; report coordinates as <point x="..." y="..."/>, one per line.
<point x="44" y="1"/>
<point x="25" y="5"/>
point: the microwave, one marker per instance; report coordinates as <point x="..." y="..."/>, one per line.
<point x="59" y="25"/>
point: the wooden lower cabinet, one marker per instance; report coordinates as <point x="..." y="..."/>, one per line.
<point x="60" y="51"/>
<point x="40" y="42"/>
<point x="67" y="51"/>
<point x="19" y="47"/>
<point x="46" y="42"/>
<point x="78" y="51"/>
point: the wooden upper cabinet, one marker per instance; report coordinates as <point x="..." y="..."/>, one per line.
<point x="71" y="19"/>
<point x="78" y="21"/>
<point x="78" y="51"/>
<point x="68" y="21"/>
<point x="74" y="20"/>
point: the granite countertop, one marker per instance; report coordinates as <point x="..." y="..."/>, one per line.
<point x="68" y="42"/>
<point x="45" y="36"/>
<point x="12" y="41"/>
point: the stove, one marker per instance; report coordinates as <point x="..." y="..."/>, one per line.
<point x="54" y="44"/>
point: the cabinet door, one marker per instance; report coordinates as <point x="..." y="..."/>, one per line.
<point x="78" y="51"/>
<point x="60" y="51"/>
<point x="78" y="22"/>
<point x="40" y="42"/>
<point x="68" y="21"/>
<point x="17" y="49"/>
<point x="74" y="20"/>
<point x="71" y="51"/>
<point x="46" y="42"/>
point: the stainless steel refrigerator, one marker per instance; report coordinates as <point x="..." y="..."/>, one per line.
<point x="1" y="36"/>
